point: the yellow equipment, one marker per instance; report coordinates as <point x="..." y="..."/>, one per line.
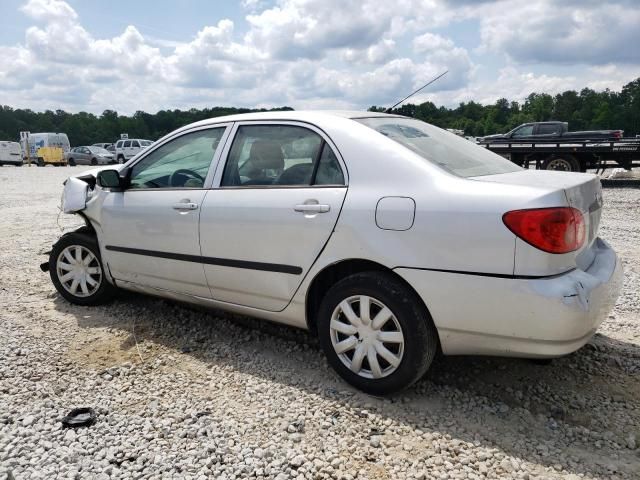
<point x="51" y="156"/>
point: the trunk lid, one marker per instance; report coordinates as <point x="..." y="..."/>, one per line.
<point x="582" y="191"/>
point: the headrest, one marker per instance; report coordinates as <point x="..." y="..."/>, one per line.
<point x="267" y="154"/>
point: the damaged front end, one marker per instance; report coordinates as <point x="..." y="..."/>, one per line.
<point x="77" y="196"/>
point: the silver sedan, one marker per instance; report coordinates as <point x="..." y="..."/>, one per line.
<point x="90" y="155"/>
<point x="388" y="238"/>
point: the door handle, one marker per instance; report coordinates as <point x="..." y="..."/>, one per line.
<point x="185" y="205"/>
<point x="312" y="208"/>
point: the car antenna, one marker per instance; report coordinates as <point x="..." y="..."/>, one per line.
<point x="388" y="110"/>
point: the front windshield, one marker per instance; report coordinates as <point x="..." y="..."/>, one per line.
<point x="99" y="150"/>
<point x="450" y="152"/>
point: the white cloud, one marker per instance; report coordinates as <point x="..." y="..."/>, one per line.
<point x="319" y="54"/>
<point x="563" y="32"/>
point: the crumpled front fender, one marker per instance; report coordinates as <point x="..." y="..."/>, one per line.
<point x="74" y="195"/>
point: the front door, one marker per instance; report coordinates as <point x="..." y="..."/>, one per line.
<point x="151" y="229"/>
<point x="277" y="202"/>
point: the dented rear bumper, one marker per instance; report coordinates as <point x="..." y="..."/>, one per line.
<point x="542" y="317"/>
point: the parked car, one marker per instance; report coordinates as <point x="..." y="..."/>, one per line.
<point x="103" y="145"/>
<point x="89" y="156"/>
<point x="10" y="154"/>
<point x="127" y="148"/>
<point x="388" y="238"/>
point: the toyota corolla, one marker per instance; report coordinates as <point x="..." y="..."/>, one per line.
<point x="388" y="238"/>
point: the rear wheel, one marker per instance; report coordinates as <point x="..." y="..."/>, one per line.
<point x="376" y="333"/>
<point x="94" y="161"/>
<point x="565" y="163"/>
<point x="77" y="271"/>
<point x="120" y="158"/>
<point x="72" y="162"/>
<point x="40" y="162"/>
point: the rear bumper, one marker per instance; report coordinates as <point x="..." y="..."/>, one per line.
<point x="546" y="317"/>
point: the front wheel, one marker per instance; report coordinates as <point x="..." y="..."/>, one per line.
<point x="376" y="333"/>
<point x="77" y="271"/>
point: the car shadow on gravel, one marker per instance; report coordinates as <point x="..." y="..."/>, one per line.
<point x="579" y="411"/>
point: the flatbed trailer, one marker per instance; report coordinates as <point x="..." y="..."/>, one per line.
<point x="575" y="156"/>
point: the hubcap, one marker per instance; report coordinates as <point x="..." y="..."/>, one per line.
<point x="367" y="336"/>
<point x="559" y="164"/>
<point x="79" y="271"/>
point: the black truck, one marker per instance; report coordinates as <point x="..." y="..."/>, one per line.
<point x="550" y="146"/>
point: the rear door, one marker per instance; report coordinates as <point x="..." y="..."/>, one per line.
<point x="273" y="207"/>
<point x="150" y="230"/>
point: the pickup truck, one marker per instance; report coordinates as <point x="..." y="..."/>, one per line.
<point x="549" y="146"/>
<point x="542" y="131"/>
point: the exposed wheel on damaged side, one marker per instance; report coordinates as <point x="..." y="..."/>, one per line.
<point x="77" y="271"/>
<point x="376" y="333"/>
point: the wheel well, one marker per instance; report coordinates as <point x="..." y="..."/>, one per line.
<point x="332" y="274"/>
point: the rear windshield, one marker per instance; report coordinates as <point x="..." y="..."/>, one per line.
<point x="450" y="152"/>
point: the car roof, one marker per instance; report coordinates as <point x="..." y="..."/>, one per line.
<point x="300" y="115"/>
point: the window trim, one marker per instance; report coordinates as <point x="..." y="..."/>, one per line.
<point x="215" y="159"/>
<point x="224" y="157"/>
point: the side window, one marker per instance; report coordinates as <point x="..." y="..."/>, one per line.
<point x="181" y="163"/>
<point x="329" y="171"/>
<point x="276" y="155"/>
<point x="547" y="129"/>
<point x="523" y="131"/>
<point x="126" y="144"/>
<point x="134" y="143"/>
<point x="85" y="150"/>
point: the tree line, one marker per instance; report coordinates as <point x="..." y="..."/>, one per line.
<point x="584" y="110"/>
<point x="86" y="128"/>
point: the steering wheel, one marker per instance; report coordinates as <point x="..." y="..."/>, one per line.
<point x="184" y="172"/>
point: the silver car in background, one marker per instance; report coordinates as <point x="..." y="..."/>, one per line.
<point x="388" y="238"/>
<point x="90" y="155"/>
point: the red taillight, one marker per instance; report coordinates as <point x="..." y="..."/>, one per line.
<point x="554" y="230"/>
<point x="617" y="134"/>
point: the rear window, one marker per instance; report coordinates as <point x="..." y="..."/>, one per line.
<point x="450" y="152"/>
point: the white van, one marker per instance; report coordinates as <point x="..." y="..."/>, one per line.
<point x="128" y="147"/>
<point x="39" y="140"/>
<point x="10" y="154"/>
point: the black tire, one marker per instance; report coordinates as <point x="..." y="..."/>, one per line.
<point x="120" y="158"/>
<point x="418" y="330"/>
<point x="563" y="163"/>
<point x="40" y="162"/>
<point x="94" y="161"/>
<point x="72" y="162"/>
<point x="104" y="292"/>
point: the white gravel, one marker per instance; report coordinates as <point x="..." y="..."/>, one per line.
<point x="182" y="393"/>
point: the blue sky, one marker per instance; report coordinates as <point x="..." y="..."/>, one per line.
<point x="149" y="55"/>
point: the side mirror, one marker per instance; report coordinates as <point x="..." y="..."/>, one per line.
<point x="110" y="179"/>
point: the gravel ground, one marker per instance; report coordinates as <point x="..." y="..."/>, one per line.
<point x="183" y="393"/>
